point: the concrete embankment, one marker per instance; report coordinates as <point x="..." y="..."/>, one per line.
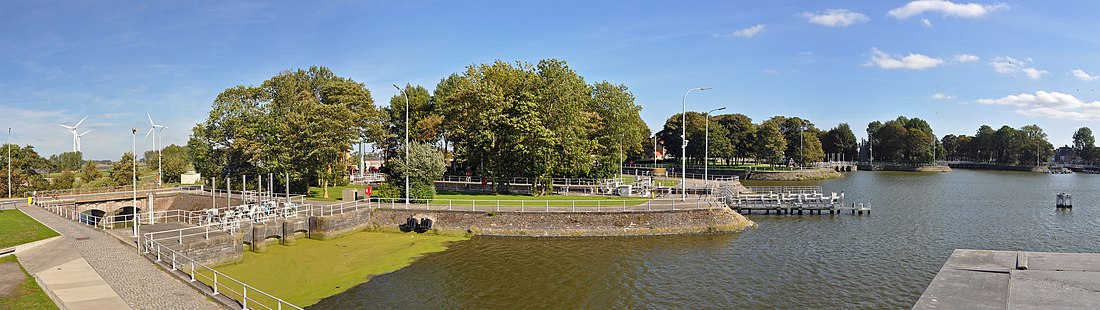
<point x="905" y="168"/>
<point x="980" y="166"/>
<point x="537" y="224"/>
<point x="800" y="175"/>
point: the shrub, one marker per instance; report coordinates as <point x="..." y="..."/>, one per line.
<point x="386" y="190"/>
<point x="421" y="193"/>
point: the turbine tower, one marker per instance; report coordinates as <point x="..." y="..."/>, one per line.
<point x="76" y="136"/>
<point x="78" y="139"/>
<point x="154" y="126"/>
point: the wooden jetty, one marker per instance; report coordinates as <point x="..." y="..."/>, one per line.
<point x="792" y="200"/>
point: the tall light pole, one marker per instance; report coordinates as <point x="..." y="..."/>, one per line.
<point x="801" y="157"/>
<point x="406" y="143"/>
<point x="684" y="145"/>
<point x="133" y="159"/>
<point x="9" y="162"/>
<point x="654" y="152"/>
<point x="706" y="146"/>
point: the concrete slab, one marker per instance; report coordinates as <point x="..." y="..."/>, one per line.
<point x="48" y="255"/>
<point x="965" y="289"/>
<point x="1054" y="289"/>
<point x="982" y="279"/>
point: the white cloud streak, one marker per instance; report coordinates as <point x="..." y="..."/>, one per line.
<point x="941" y="96"/>
<point x="1011" y="66"/>
<point x="948" y="8"/>
<point x="965" y="58"/>
<point x="912" y="61"/>
<point x="1084" y="76"/>
<point x="925" y="23"/>
<point x="1054" y="105"/>
<point x="835" y="17"/>
<point x="744" y="33"/>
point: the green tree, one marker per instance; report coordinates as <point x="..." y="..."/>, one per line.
<point x="89" y="172"/>
<point x="122" y="171"/>
<point x="65" y="180"/>
<point x="840" y="139"/>
<point x="298" y="122"/>
<point x="1084" y="144"/>
<point x="25" y="164"/>
<point x="176" y="162"/>
<point x="66" y="161"/>
<point x="811" y="151"/>
<point x="740" y="133"/>
<point x="424" y="166"/>
<point x="770" y="143"/>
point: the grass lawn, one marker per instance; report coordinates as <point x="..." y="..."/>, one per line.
<point x="334" y="193"/>
<point x="305" y="273"/>
<point x="28" y="295"/>
<point x="17" y="228"/>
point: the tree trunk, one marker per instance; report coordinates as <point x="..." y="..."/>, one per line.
<point x="324" y="182"/>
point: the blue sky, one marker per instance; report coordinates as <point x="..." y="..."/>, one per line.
<point x="956" y="64"/>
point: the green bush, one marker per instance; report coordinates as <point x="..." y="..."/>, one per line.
<point x="421" y="193"/>
<point x="386" y="190"/>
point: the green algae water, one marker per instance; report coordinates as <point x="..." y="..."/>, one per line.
<point x="304" y="273"/>
<point x="884" y="260"/>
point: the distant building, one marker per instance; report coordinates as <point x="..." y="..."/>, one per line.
<point x="191" y="177"/>
<point x="1066" y="154"/>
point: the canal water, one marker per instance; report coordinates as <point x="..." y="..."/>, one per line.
<point x="882" y="260"/>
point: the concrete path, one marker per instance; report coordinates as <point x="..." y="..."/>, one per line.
<point x="131" y="277"/>
<point x="68" y="278"/>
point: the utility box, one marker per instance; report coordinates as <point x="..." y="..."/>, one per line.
<point x="352" y="194"/>
<point x="624" y="190"/>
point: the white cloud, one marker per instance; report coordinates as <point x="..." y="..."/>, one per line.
<point x="1045" y="104"/>
<point x="771" y="72"/>
<point x="1009" y="65"/>
<point x="942" y="96"/>
<point x="746" y="33"/>
<point x="911" y="61"/>
<point x="1084" y="76"/>
<point x="948" y="8"/>
<point x="835" y="17"/>
<point x="926" y="23"/>
<point x="965" y="58"/>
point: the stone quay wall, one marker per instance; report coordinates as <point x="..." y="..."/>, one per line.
<point x="537" y="224"/>
<point x="219" y="250"/>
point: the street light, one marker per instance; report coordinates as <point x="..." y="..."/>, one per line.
<point x="684" y="145"/>
<point x="9" y="162"/>
<point x="134" y="213"/>
<point x="706" y="146"/>
<point x="406" y="143"/>
<point x="801" y="158"/>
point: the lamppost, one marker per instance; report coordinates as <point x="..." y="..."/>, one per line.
<point x="134" y="213"/>
<point x="9" y="162"/>
<point x="706" y="146"/>
<point x="406" y="143"/>
<point x="684" y="145"/>
<point x="801" y="158"/>
<point x="654" y="152"/>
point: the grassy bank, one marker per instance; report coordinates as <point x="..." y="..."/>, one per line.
<point x="17" y="228"/>
<point x="305" y="273"/>
<point x="27" y="295"/>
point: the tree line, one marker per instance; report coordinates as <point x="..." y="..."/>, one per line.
<point x="30" y="171"/>
<point x="495" y="120"/>
<point x="736" y="139"/>
<point x="1026" y="145"/>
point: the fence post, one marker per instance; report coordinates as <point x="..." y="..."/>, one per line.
<point x="547" y="206"/>
<point x="574" y="202"/>
<point x="244" y="299"/>
<point x="173" y="260"/>
<point x="192" y="271"/>
<point x="181" y="236"/>
<point x="521" y="206"/>
<point x="215" y="282"/>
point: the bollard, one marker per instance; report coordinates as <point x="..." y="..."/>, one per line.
<point x="288" y="233"/>
<point x="259" y="245"/>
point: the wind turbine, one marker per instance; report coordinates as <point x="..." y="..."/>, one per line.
<point x="76" y="137"/>
<point x="153" y="126"/>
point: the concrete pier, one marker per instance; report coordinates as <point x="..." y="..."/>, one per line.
<point x="983" y="279"/>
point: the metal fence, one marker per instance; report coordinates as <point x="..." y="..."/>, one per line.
<point x="215" y="281"/>
<point x="520" y="206"/>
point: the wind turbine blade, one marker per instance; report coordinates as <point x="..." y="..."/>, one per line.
<point x="86" y="132"/>
<point x="150" y="119"/>
<point x="150" y="131"/>
<point x="81" y="121"/>
<point x="67" y="127"/>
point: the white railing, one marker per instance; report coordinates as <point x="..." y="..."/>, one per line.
<point x="544" y="206"/>
<point x="219" y="283"/>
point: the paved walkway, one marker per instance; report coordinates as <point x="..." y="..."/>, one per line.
<point x="133" y="278"/>
<point x="68" y="278"/>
